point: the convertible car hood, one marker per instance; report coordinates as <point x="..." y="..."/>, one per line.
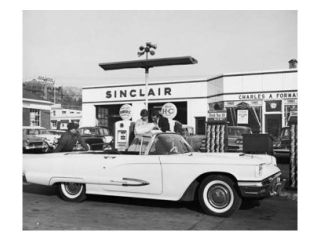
<point x="234" y="158"/>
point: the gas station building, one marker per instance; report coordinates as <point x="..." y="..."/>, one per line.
<point x="261" y="100"/>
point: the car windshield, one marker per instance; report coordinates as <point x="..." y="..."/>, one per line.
<point x="139" y="144"/>
<point x="55" y="132"/>
<point x="33" y="131"/>
<point x="44" y="131"/>
<point x="166" y="144"/>
<point x="104" y="132"/>
<point x="88" y="131"/>
<point x="238" y="131"/>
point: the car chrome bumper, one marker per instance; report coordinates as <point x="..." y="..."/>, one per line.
<point x="35" y="147"/>
<point x="266" y="188"/>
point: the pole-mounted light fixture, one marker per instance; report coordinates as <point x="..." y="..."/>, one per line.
<point x="146" y="50"/>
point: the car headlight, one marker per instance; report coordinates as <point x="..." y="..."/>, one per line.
<point x="107" y="139"/>
<point x="239" y="141"/>
<point x="277" y="145"/>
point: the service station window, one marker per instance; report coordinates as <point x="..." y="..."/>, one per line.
<point x="287" y="110"/>
<point x="34" y="117"/>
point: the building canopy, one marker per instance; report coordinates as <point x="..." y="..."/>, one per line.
<point x="146" y="64"/>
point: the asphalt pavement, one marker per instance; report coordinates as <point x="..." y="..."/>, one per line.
<point x="43" y="210"/>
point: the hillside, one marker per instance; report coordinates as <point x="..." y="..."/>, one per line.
<point x="69" y="97"/>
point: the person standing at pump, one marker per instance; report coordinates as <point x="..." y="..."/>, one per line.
<point x="69" y="139"/>
<point x="142" y="124"/>
<point x="144" y="114"/>
<point x="160" y="121"/>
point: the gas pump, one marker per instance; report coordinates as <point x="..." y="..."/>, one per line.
<point x="122" y="128"/>
<point x="216" y="132"/>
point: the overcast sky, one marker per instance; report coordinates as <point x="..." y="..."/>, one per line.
<point x="69" y="45"/>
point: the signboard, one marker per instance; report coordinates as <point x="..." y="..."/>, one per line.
<point x="169" y="110"/>
<point x="125" y="112"/>
<point x="294" y="114"/>
<point x="161" y="91"/>
<point x="242" y="116"/>
<point x="273" y="106"/>
<point x="268" y="95"/>
<point x="217" y="115"/>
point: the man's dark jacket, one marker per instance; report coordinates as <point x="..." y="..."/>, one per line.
<point x="163" y="124"/>
<point x="68" y="140"/>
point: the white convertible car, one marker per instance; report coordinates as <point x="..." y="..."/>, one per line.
<point x="159" y="166"/>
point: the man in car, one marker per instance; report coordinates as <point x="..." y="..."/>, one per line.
<point x="69" y="139"/>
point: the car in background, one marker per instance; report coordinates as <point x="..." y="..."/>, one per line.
<point x="195" y="141"/>
<point x="51" y="137"/>
<point x="235" y="138"/>
<point x="282" y="145"/>
<point x="98" y="138"/>
<point x="31" y="141"/>
<point x="187" y="130"/>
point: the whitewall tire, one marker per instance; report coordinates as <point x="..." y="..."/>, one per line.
<point x="218" y="196"/>
<point x="74" y="192"/>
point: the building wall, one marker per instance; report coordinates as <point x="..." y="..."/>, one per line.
<point x="89" y="115"/>
<point x="254" y="88"/>
<point x="26" y="116"/>
<point x="45" y="118"/>
<point x="60" y="117"/>
<point x="44" y="111"/>
<point x="196" y="108"/>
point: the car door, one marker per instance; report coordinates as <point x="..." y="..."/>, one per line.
<point x="132" y="173"/>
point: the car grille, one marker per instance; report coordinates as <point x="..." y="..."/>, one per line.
<point x="35" y="144"/>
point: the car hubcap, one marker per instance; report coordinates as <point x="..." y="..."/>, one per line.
<point x="218" y="196"/>
<point x="73" y="188"/>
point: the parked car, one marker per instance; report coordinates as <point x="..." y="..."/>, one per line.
<point x="159" y="166"/>
<point x="187" y="130"/>
<point x="282" y="145"/>
<point x="51" y="137"/>
<point x="195" y="141"/>
<point x="40" y="139"/>
<point x="235" y="138"/>
<point x="32" y="141"/>
<point x="98" y="138"/>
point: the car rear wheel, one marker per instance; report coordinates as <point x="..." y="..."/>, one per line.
<point x="74" y="192"/>
<point x="218" y="196"/>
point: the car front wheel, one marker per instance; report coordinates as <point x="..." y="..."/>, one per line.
<point x="218" y="196"/>
<point x="74" y="192"/>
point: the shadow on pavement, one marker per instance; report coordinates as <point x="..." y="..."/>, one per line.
<point x="144" y="202"/>
<point x="52" y="190"/>
<point x="249" y="204"/>
<point x="39" y="189"/>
